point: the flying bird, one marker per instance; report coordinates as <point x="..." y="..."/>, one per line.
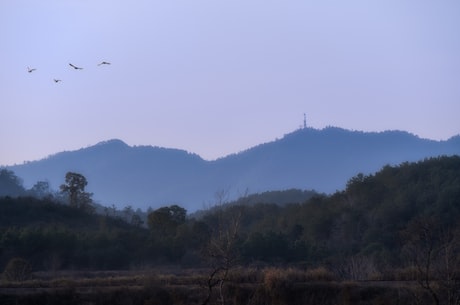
<point x="75" y="67"/>
<point x="30" y="70"/>
<point x="57" y="80"/>
<point x="104" y="63"/>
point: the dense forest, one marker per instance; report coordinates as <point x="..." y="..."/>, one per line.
<point x="380" y="223"/>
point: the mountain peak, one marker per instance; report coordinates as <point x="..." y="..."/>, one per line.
<point x="112" y="142"/>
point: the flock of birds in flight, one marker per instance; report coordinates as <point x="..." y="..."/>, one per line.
<point x="30" y="70"/>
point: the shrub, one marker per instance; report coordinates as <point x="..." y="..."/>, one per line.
<point x="18" y="269"/>
<point x="245" y="275"/>
<point x="409" y="273"/>
<point x="276" y="278"/>
<point x="319" y="274"/>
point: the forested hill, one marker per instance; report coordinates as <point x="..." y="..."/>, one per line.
<point x="367" y="226"/>
<point x="307" y="159"/>
<point x="370" y="223"/>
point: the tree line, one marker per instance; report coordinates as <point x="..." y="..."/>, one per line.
<point x="379" y="223"/>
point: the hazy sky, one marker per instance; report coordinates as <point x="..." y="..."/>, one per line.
<point x="216" y="77"/>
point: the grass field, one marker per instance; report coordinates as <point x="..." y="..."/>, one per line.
<point x="275" y="286"/>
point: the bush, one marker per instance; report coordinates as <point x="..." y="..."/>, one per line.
<point x="245" y="275"/>
<point x="277" y="278"/>
<point x="403" y="274"/>
<point x="17" y="269"/>
<point x="319" y="274"/>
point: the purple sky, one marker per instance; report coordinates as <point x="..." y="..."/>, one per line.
<point x="217" y="77"/>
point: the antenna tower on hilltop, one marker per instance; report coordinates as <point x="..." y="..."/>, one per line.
<point x="304" y="121"/>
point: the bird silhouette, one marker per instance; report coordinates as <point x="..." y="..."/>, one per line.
<point x="104" y="63"/>
<point x="75" y="67"/>
<point x="30" y="70"/>
<point x="57" y="80"/>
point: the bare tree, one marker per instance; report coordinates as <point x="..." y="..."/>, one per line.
<point x="358" y="267"/>
<point x="447" y="266"/>
<point x="221" y="250"/>
<point x="432" y="248"/>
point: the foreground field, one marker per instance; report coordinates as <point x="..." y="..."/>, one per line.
<point x="268" y="286"/>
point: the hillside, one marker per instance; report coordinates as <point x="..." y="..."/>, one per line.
<point x="53" y="236"/>
<point x="371" y="227"/>
<point x="307" y="159"/>
<point x="372" y="221"/>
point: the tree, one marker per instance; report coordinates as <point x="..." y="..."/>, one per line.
<point x="18" y="269"/>
<point x="222" y="249"/>
<point x="41" y="189"/>
<point x="128" y="213"/>
<point x="136" y="220"/>
<point x="164" y="221"/>
<point x="432" y="248"/>
<point x="75" y="188"/>
<point x="10" y="184"/>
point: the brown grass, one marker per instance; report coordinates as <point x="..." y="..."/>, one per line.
<point x="244" y="285"/>
<point x="319" y="274"/>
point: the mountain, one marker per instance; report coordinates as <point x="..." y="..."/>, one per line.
<point x="146" y="176"/>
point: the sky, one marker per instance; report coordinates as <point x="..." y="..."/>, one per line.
<point x="216" y="77"/>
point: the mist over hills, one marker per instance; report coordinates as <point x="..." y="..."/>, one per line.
<point x="308" y="159"/>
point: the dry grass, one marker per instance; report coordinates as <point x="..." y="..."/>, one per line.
<point x="100" y="279"/>
<point x="406" y="274"/>
<point x="274" y="277"/>
<point x="278" y="278"/>
<point x="319" y="274"/>
<point x="244" y="285"/>
<point x="245" y="275"/>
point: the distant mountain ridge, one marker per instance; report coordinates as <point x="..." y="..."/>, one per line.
<point x="308" y="159"/>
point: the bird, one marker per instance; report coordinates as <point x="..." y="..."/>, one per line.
<point x="75" y="67"/>
<point x="30" y="70"/>
<point x="57" y="80"/>
<point x="104" y="63"/>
